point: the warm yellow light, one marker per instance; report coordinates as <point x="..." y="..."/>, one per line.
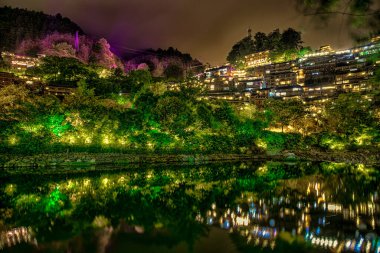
<point x="106" y="140"/>
<point x="13" y="140"/>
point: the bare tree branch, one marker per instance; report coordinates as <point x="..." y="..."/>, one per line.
<point x="342" y="13"/>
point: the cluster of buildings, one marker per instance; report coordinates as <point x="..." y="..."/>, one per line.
<point x="316" y="76"/>
<point x="18" y="64"/>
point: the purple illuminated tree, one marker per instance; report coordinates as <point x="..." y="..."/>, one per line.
<point x="102" y="55"/>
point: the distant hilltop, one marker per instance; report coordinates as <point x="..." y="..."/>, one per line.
<point x="31" y="33"/>
<point x="18" y="25"/>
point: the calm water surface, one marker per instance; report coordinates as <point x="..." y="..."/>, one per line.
<point x="245" y="207"/>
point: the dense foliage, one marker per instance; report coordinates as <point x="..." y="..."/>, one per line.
<point x="362" y="17"/>
<point x="168" y="63"/>
<point x="97" y="117"/>
<point x="170" y="122"/>
<point x="18" y="25"/>
<point x="111" y="111"/>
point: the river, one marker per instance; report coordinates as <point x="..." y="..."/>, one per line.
<point x="230" y="207"/>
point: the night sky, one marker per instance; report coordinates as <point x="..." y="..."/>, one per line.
<point x="206" y="29"/>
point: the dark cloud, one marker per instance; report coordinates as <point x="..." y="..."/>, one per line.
<point x="205" y="28"/>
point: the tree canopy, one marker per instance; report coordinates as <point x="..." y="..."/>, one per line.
<point x="61" y="70"/>
<point x="279" y="43"/>
<point x="362" y="16"/>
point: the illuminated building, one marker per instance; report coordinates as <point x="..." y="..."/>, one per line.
<point x="250" y="84"/>
<point x="220" y="83"/>
<point x="20" y="62"/>
<point x="257" y="59"/>
<point x="326" y="49"/>
<point x="294" y="91"/>
<point x="33" y="83"/>
<point x="281" y="74"/>
<point x="59" y="90"/>
<point x="225" y="70"/>
<point x="8" y="78"/>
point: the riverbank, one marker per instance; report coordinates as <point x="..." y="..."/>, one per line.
<point x="364" y="156"/>
<point x="87" y="159"/>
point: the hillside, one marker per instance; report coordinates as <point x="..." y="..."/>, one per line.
<point x="169" y="63"/>
<point x="17" y="25"/>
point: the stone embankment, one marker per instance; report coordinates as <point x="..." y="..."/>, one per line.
<point x="86" y="159"/>
<point x="370" y="157"/>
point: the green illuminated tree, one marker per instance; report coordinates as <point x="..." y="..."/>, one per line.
<point x="135" y="81"/>
<point x="173" y="113"/>
<point x="348" y="114"/>
<point x="285" y="112"/>
<point x="13" y="100"/>
<point x="61" y="70"/>
<point x="82" y="98"/>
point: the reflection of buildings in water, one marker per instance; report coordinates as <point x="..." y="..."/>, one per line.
<point x="16" y="236"/>
<point x="327" y="215"/>
<point x="104" y="236"/>
<point x="317" y="215"/>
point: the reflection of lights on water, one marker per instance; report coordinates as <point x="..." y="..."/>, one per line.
<point x="242" y="221"/>
<point x="368" y="247"/>
<point x="261" y="211"/>
<point x="359" y="245"/>
<point x="373" y="224"/>
<point x="199" y="218"/>
<point x="272" y="222"/>
<point x="15" y="236"/>
<point x="348" y="244"/>
<point x="244" y="217"/>
<point x="226" y="224"/>
<point x="324" y="242"/>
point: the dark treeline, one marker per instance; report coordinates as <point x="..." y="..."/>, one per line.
<point x="170" y="52"/>
<point x="17" y="25"/>
<point x="287" y="42"/>
<point x="169" y="63"/>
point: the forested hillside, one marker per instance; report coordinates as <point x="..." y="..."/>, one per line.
<point x="17" y="25"/>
